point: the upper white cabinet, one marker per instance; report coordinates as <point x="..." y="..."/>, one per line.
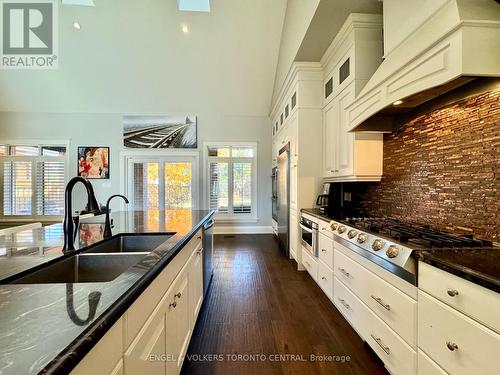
<point x="353" y="56"/>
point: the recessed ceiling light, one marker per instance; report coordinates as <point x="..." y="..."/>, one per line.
<point x="397" y="102"/>
<point x="185" y="29"/>
<point x="77" y="25"/>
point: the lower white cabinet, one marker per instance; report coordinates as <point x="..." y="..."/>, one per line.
<point x="195" y="285"/>
<point x="457" y="343"/>
<point x="310" y="263"/>
<point x="427" y="366"/>
<point x="106" y="356"/>
<point x="153" y="335"/>
<point x="147" y="352"/>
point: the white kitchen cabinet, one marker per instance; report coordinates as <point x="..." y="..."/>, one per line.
<point x="349" y="156"/>
<point x="153" y="335"/>
<point x="471" y="299"/>
<point x="178" y="324"/>
<point x="330" y="138"/>
<point x="195" y="285"/>
<point x="353" y="56"/>
<point x="148" y="353"/>
<point x="458" y="344"/>
<point x="105" y="358"/>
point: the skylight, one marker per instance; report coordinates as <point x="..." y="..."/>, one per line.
<point x="194" y="5"/>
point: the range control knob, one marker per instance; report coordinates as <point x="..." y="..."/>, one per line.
<point x="333" y="225"/>
<point x="377" y="245"/>
<point x="341" y="229"/>
<point x="362" y="237"/>
<point x="352" y="233"/>
<point x="392" y="251"/>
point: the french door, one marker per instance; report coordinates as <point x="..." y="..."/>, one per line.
<point x="162" y="182"/>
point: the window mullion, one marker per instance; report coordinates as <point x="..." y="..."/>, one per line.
<point x="34" y="195"/>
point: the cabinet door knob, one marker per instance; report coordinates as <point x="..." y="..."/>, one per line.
<point x="173" y="304"/>
<point x="178" y="295"/>
<point x="323" y="278"/>
<point x="323" y="250"/>
<point x="451" y="345"/>
<point x="452" y="292"/>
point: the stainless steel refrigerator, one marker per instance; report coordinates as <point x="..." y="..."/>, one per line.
<point x="284" y="198"/>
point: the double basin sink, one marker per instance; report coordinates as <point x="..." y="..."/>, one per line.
<point x="101" y="262"/>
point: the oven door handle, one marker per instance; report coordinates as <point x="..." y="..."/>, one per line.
<point x="309" y="230"/>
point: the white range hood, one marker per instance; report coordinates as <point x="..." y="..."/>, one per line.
<point x="459" y="41"/>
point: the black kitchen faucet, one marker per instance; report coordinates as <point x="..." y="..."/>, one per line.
<point x="69" y="225"/>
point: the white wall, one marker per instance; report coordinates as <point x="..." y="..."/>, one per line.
<point x="130" y="57"/>
<point x="106" y="130"/>
<point x="299" y="14"/>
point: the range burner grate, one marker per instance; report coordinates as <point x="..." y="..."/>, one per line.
<point x="423" y="235"/>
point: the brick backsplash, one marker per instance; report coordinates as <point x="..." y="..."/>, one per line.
<point x="442" y="169"/>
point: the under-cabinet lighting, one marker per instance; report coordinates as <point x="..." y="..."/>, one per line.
<point x="185" y="29"/>
<point x="397" y="102"/>
<point x="77" y="25"/>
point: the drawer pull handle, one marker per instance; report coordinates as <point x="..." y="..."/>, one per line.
<point x="173" y="304"/>
<point x="451" y="345"/>
<point x="452" y="292"/>
<point x="307" y="263"/>
<point x="381" y="303"/>
<point x="347" y="274"/>
<point x="378" y="340"/>
<point x="344" y="303"/>
<point x="323" y="278"/>
<point x="323" y="250"/>
<point x="178" y="295"/>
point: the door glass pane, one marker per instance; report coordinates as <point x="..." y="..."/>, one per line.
<point x="219" y="187"/>
<point x="178" y="185"/>
<point x="242" y="188"/>
<point x="145" y="186"/>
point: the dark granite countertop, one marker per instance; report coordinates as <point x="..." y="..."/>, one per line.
<point x="38" y="331"/>
<point x="478" y="265"/>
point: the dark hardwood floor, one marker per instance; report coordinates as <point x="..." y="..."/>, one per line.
<point x="259" y="304"/>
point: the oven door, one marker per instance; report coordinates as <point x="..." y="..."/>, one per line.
<point x="309" y="236"/>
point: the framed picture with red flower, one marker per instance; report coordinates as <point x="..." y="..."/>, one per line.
<point x="93" y="162"/>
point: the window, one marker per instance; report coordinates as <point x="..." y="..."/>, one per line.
<point x="232" y="184"/>
<point x="33" y="179"/>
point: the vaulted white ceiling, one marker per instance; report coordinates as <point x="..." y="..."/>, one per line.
<point x="132" y="56"/>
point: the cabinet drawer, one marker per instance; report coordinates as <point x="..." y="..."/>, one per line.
<point x="427" y="366"/>
<point x="310" y="264"/>
<point x="398" y="357"/>
<point x="326" y="250"/>
<point x="348" y="304"/>
<point x="441" y="327"/>
<point x="325" y="279"/>
<point x="390" y="304"/>
<point x="324" y="229"/>
<point x="473" y="300"/>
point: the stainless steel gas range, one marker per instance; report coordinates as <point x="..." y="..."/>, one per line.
<point x="391" y="243"/>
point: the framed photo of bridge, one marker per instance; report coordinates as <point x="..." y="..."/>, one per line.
<point x="160" y="131"/>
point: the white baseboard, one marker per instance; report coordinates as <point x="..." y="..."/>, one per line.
<point x="241" y="229"/>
